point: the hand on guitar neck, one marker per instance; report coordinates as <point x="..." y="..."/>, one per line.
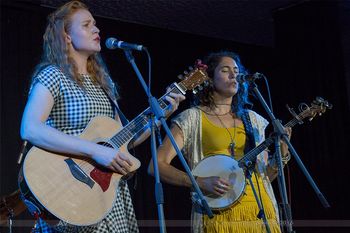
<point x="284" y="146"/>
<point x="174" y="100"/>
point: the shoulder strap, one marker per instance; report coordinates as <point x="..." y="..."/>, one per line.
<point x="250" y="141"/>
<point x="121" y="115"/>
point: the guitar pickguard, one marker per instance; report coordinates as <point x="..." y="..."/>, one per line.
<point x="103" y="178"/>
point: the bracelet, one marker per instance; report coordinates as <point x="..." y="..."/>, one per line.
<point x="286" y="158"/>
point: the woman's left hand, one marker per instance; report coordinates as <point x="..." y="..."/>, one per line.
<point x="174" y="100"/>
<point x="284" y="146"/>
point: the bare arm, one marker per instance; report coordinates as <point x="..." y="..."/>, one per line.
<point x="34" y="130"/>
<point x="166" y="154"/>
<point x="174" y="176"/>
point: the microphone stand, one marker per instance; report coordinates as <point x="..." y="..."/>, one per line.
<point x="156" y="112"/>
<point x="249" y="167"/>
<point x="279" y="133"/>
<point x="10" y="220"/>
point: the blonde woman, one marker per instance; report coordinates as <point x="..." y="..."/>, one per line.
<point x="70" y="86"/>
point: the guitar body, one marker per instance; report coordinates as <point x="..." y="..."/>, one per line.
<point x="74" y="190"/>
<point x="225" y="167"/>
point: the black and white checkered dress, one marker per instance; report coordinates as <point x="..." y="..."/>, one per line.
<point x="73" y="109"/>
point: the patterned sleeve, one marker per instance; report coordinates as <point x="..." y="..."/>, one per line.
<point x="262" y="124"/>
<point x="50" y="77"/>
<point x="259" y="124"/>
<point x="189" y="123"/>
<point x="182" y="121"/>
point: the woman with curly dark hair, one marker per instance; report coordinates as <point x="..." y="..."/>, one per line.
<point x="221" y="124"/>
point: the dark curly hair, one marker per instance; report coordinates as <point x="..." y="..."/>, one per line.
<point x="205" y="96"/>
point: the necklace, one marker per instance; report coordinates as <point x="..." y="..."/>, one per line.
<point x="223" y="114"/>
<point x="232" y="144"/>
<point x="223" y="104"/>
<point x="214" y="114"/>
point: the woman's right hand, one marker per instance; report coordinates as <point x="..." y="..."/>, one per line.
<point x="113" y="159"/>
<point x="213" y="185"/>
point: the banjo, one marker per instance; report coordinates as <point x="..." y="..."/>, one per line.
<point x="233" y="170"/>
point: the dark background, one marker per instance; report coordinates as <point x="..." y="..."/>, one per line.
<point x="309" y="58"/>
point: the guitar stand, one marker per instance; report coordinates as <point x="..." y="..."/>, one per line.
<point x="249" y="169"/>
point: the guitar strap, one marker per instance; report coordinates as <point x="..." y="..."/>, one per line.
<point x="113" y="100"/>
<point x="124" y="121"/>
<point x="250" y="141"/>
<point x="122" y="117"/>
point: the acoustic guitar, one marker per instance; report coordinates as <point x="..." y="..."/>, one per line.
<point x="77" y="190"/>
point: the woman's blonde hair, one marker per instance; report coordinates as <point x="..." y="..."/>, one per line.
<point x="55" y="49"/>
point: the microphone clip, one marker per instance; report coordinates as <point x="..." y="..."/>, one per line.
<point x="249" y="78"/>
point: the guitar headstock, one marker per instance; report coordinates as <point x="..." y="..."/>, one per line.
<point x="194" y="77"/>
<point x="317" y="108"/>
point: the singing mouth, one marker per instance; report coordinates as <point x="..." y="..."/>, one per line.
<point x="232" y="84"/>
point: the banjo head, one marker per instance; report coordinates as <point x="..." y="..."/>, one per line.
<point x="225" y="167"/>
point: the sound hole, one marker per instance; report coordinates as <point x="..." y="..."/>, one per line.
<point x="107" y="144"/>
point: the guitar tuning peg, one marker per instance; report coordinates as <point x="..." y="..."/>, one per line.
<point x="200" y="87"/>
<point x="190" y="68"/>
<point x="319" y="99"/>
<point x="194" y="91"/>
<point x="180" y="76"/>
<point x="185" y="72"/>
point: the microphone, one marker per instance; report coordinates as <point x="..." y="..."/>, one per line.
<point x="249" y="77"/>
<point x="113" y="43"/>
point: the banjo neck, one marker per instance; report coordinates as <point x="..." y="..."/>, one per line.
<point x="252" y="154"/>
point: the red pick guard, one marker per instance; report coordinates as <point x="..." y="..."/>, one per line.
<point x="103" y="178"/>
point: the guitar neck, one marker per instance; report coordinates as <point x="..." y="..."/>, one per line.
<point x="137" y="125"/>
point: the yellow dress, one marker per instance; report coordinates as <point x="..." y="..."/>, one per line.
<point x="242" y="216"/>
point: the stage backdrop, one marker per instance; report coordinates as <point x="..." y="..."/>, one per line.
<point x="306" y="62"/>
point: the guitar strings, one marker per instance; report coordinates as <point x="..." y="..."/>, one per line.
<point x="137" y="123"/>
<point x="253" y="151"/>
